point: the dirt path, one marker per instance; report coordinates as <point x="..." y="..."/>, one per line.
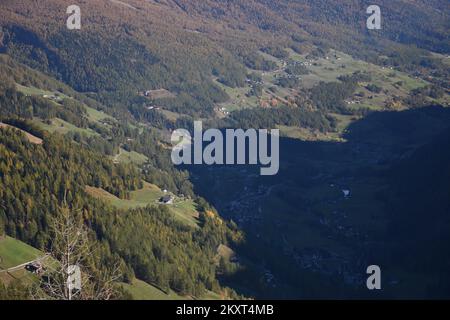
<point x="20" y="266"/>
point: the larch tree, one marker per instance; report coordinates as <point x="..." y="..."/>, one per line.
<point x="70" y="272"/>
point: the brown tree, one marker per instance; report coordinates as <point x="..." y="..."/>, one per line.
<point x="70" y="273"/>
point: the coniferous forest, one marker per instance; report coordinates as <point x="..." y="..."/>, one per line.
<point x="87" y="114"/>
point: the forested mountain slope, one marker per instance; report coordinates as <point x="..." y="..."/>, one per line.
<point x="122" y="49"/>
<point x="358" y="110"/>
<point x="36" y="178"/>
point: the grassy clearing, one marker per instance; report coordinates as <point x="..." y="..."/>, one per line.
<point x="14" y="252"/>
<point x="148" y="195"/>
<point x="62" y="127"/>
<point x="339" y="63"/>
<point x="92" y="114"/>
<point x="141" y="290"/>
<point x="238" y="99"/>
<point x="173" y="116"/>
<point x="393" y="83"/>
<point x="97" y="116"/>
<point x="328" y="69"/>
<point x="53" y="96"/>
<point x="130" y="157"/>
<point x="32" y="91"/>
<point x="307" y="135"/>
<point x="26" y="278"/>
<point x="183" y="209"/>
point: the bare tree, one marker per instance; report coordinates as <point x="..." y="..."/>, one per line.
<point x="70" y="274"/>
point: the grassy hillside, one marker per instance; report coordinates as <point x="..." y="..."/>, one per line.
<point x="14" y="252"/>
<point x="183" y="209"/>
<point x="210" y="39"/>
<point x="141" y="290"/>
<point x="350" y="103"/>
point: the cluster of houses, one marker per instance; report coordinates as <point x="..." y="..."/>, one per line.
<point x="224" y="110"/>
<point x="52" y="97"/>
<point x="254" y="82"/>
<point x="307" y="63"/>
<point x="353" y="101"/>
<point x="291" y="76"/>
<point x="157" y="94"/>
<point x="35" y="267"/>
<point x="269" y="278"/>
<point x="152" y="108"/>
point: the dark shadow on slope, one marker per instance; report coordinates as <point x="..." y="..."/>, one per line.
<point x="306" y="239"/>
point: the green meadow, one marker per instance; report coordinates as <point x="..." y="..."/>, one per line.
<point x="183" y="209"/>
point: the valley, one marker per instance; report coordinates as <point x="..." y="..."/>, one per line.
<point x="327" y="210"/>
<point x="86" y="118"/>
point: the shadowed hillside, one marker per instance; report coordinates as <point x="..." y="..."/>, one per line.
<point x="305" y="238"/>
